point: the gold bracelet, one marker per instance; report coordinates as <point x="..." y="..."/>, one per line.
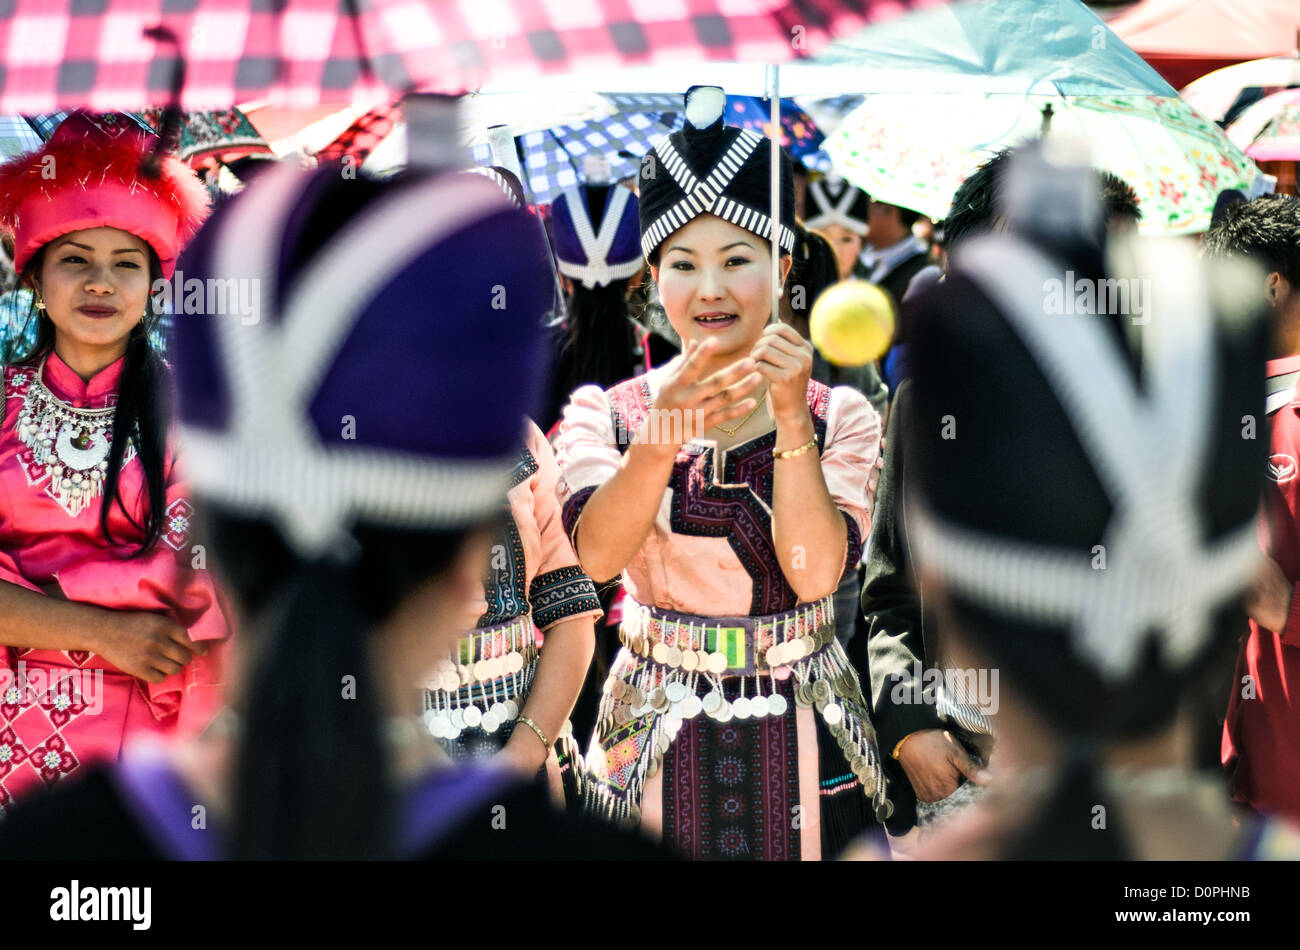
<point x="899" y="748"/>
<point x="537" y="729"/>
<point x="795" y="453"/>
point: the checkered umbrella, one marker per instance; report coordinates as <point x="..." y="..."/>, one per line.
<point x="44" y="125"/>
<point x="17" y="137"/>
<point x="20" y="134"/>
<point x="71" y="53"/>
<point x="360" y="138"/>
<point x="552" y="160"/>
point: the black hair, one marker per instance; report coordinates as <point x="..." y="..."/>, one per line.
<point x="973" y="210"/>
<point x="1226" y="199"/>
<point x="974" y="206"/>
<point x="143" y="408"/>
<point x="600" y="343"/>
<point x="1266" y="230"/>
<point x="248" y="167"/>
<point x="814" y="269"/>
<point x="312" y="779"/>
<point x="1117" y="197"/>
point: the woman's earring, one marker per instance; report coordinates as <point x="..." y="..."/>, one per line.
<point x="40" y="304"/>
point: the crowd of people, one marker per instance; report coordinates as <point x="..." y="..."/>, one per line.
<point x="398" y="566"/>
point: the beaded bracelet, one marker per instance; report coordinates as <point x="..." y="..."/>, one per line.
<point x="537" y="729"/>
<point x="795" y="453"/>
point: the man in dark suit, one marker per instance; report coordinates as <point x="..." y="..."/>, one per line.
<point x="893" y="254"/>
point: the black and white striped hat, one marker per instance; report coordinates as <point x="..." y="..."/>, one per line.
<point x="836" y="201"/>
<point x="504" y="179"/>
<point x="712" y="168"/>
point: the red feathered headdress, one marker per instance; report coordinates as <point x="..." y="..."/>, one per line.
<point x="88" y="175"/>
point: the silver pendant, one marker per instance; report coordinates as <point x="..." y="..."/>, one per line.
<point x="83" y="451"/>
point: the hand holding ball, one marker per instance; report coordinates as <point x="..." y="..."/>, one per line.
<point x="852" y="323"/>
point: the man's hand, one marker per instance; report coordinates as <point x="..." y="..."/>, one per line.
<point x="935" y="763"/>
<point x="1269" y="601"/>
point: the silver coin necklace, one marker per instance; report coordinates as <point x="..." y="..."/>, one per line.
<point x="70" y="444"/>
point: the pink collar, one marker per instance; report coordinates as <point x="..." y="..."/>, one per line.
<point x="99" y="392"/>
<point x="1282" y="366"/>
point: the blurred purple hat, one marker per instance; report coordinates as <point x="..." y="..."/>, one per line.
<point x="343" y="373"/>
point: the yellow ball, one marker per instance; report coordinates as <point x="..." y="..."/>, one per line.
<point x="852" y="323"/>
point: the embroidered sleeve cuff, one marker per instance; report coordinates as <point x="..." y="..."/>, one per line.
<point x="562" y="594"/>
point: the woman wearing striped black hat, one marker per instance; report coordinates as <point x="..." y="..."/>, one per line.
<point x="351" y="475"/>
<point x="840" y="213"/>
<point x="731" y="493"/>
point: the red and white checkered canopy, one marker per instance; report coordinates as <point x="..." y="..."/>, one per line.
<point x="57" y="54"/>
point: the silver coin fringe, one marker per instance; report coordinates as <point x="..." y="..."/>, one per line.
<point x="642" y="688"/>
<point x="485" y="683"/>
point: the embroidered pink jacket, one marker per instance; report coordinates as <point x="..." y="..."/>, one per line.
<point x="710" y="550"/>
<point x="42" y="544"/>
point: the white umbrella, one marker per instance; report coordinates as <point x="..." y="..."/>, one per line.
<point x="1214" y="94"/>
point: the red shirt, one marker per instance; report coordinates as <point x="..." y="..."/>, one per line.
<point x="1261" y="735"/>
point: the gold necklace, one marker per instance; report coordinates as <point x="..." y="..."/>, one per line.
<point x="749" y="415"/>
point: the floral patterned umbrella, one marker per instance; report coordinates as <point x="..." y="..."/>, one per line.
<point x="799" y="134"/>
<point x="1269" y="131"/>
<point x="914" y="150"/>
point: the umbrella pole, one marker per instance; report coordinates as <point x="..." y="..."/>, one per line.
<point x="774" y="96"/>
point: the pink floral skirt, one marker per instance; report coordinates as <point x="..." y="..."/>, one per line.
<point x="59" y="714"/>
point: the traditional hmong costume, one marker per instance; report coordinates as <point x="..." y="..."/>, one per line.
<point x="261" y="404"/>
<point x="1092" y="525"/>
<point x="476" y="696"/>
<point x="62" y="710"/>
<point x="732" y="722"/>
